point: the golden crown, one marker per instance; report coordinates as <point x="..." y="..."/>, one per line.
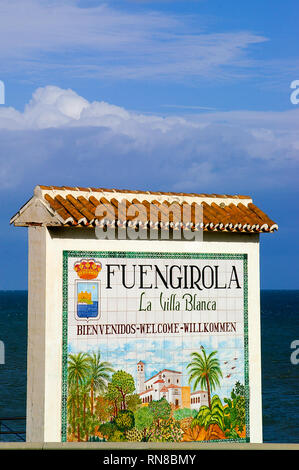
<point x="87" y="268"/>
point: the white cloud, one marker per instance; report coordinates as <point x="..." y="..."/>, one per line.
<point x="64" y="139"/>
<point x="103" y="42"/>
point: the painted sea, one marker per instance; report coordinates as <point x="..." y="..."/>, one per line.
<point x="280" y="373"/>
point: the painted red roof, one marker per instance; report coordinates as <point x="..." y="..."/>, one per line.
<point x="161" y="372"/>
<point x="146" y="391"/>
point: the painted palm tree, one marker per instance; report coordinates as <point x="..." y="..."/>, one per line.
<point x="205" y="371"/>
<point x="71" y="406"/>
<point x="99" y="376"/>
<point x="84" y="398"/>
<point x="78" y="366"/>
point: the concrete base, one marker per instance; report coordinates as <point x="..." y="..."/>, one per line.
<point x="142" y="446"/>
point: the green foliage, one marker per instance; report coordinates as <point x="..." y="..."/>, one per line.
<point x="98" y="374"/>
<point x="118" y="436"/>
<point x="96" y="439"/>
<point x="78" y="367"/>
<point x="205" y="371"/>
<point x="240" y="408"/>
<point x="123" y="382"/>
<point x="238" y="390"/>
<point x="113" y="394"/>
<point x="168" y="430"/>
<point x="213" y="415"/>
<point x="133" y="402"/>
<point x="125" y="420"/>
<point x="230" y="418"/>
<point x="235" y="411"/>
<point x="134" y="435"/>
<point x="143" y="418"/>
<point x="103" y="409"/>
<point x="121" y="385"/>
<point x="182" y="413"/>
<point x="86" y="376"/>
<point x="160" y="409"/>
<point x="108" y="429"/>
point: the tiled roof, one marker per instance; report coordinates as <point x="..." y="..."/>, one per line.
<point x="146" y="391"/>
<point x="161" y="372"/>
<point x="88" y="207"/>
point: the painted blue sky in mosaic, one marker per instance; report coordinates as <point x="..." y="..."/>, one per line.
<point x="170" y="353"/>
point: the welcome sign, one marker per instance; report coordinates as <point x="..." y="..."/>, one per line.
<point x="154" y="347"/>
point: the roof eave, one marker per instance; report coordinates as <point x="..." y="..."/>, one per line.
<point x="36" y="212"/>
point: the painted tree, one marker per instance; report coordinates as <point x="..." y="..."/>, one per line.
<point x="71" y="406"/>
<point x="205" y="371"/>
<point x="78" y="365"/>
<point x="235" y="410"/>
<point x="143" y="420"/>
<point x="160" y="409"/>
<point x="99" y="375"/>
<point x="114" y="396"/>
<point x="133" y="402"/>
<point x="103" y="408"/>
<point x="122" y="384"/>
<point x="84" y="396"/>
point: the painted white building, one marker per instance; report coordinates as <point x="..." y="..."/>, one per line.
<point x="166" y="383"/>
<point x="198" y="398"/>
<point x="62" y="224"/>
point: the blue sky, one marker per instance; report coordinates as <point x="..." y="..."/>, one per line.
<point x="91" y="288"/>
<point x="169" y="353"/>
<point x="161" y="95"/>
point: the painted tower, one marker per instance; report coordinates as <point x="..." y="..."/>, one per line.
<point x="140" y="377"/>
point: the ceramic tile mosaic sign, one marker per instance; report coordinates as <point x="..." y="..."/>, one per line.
<point x="154" y="347"/>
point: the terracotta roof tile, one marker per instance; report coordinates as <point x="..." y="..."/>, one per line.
<point x="74" y="213"/>
<point x="263" y="217"/>
<point x="81" y="207"/>
<point x="130" y="191"/>
<point x="76" y="206"/>
<point x="61" y="211"/>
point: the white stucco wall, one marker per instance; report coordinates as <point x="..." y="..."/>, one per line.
<point x="46" y="248"/>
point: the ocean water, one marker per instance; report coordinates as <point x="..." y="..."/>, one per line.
<point x="13" y="333"/>
<point x="280" y="377"/>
